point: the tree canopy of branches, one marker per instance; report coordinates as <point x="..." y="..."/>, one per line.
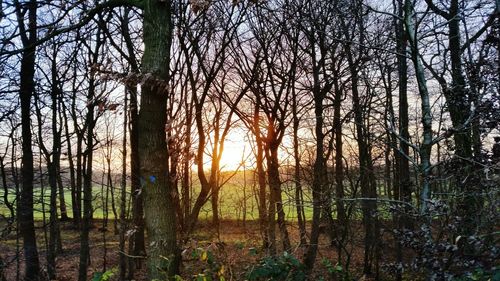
<point x="372" y="122"/>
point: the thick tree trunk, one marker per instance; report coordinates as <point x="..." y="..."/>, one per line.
<point x="163" y="254"/>
<point x="25" y="203"/>
<point x="26" y="90"/>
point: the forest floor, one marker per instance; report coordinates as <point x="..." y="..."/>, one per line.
<point x="232" y="253"/>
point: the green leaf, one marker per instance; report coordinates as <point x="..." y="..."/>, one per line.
<point x="104" y="276"/>
<point x="338" y="268"/>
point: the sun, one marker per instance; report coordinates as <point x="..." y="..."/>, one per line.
<point x="237" y="152"/>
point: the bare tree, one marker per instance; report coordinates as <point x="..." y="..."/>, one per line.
<point x="28" y="33"/>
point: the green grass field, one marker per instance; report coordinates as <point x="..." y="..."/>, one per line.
<point x="231" y="203"/>
<point x="41" y="203"/>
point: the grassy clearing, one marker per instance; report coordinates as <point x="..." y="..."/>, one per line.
<point x="42" y="201"/>
<point x="234" y="196"/>
<point x="233" y="199"/>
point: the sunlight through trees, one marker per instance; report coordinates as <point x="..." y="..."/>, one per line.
<point x="249" y="140"/>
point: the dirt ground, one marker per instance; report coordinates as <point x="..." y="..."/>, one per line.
<point x="233" y="253"/>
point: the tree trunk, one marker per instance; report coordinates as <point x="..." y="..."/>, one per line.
<point x="470" y="204"/>
<point x="77" y="209"/>
<point x="426" y="145"/>
<point x="186" y="166"/>
<point x="299" y="200"/>
<point x="26" y="90"/>
<point x="404" y="181"/>
<point x="53" y="167"/>
<point x="110" y="184"/>
<point x="339" y="162"/>
<point x="215" y="210"/>
<point x="60" y="185"/>
<point x="87" y="184"/>
<point x="319" y="178"/>
<point x="163" y="254"/>
<point x="62" y="201"/>
<point x="261" y="179"/>
<point x="123" y="193"/>
<point x="207" y="185"/>
<point x="87" y="163"/>
<point x="137" y="245"/>
<point x="77" y="204"/>
<point x="402" y="184"/>
<point x="276" y="202"/>
<point x="368" y="206"/>
<point x="458" y="100"/>
<point x="73" y="189"/>
<point x="5" y="187"/>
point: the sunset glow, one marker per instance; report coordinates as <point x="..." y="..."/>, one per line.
<point x="249" y="140"/>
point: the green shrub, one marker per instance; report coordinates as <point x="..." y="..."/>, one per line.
<point x="280" y="268"/>
<point x="104" y="276"/>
